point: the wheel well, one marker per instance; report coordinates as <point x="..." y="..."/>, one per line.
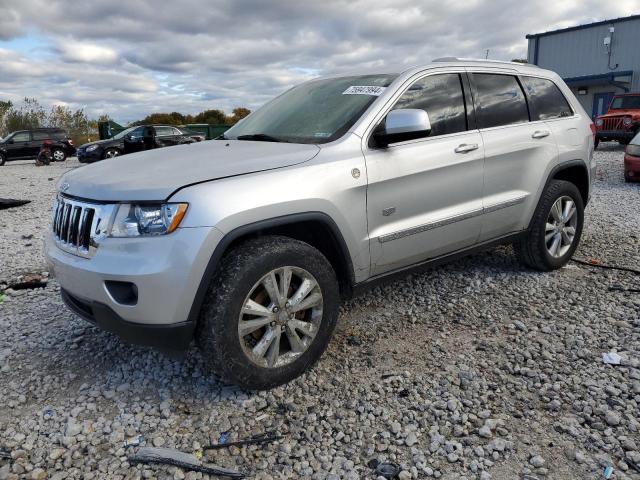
<point x="318" y="234"/>
<point x="577" y="175"/>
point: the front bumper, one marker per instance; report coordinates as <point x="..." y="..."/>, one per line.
<point x="166" y="271"/>
<point x="632" y="167"/>
<point x="89" y="157"/>
<point x="614" y="134"/>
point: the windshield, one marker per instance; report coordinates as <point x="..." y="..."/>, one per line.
<point x="123" y="133"/>
<point x="319" y="111"/>
<point x="626" y="102"/>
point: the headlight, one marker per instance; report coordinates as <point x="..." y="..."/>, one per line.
<point x="91" y="148"/>
<point x="626" y="121"/>
<point x="599" y="122"/>
<point x="633" y="150"/>
<point x="147" y="219"/>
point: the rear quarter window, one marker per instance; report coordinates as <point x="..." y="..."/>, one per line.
<point x="546" y="101"/>
<point x="499" y="100"/>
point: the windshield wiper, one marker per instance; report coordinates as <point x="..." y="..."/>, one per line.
<point x="260" y="137"/>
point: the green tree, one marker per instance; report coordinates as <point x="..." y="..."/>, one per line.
<point x="238" y="114"/>
<point x="210" y="116"/>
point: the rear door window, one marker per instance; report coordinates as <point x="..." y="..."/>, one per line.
<point x="546" y="101"/>
<point x="442" y="98"/>
<point x="164" y="131"/>
<point x="41" y="135"/>
<point x="499" y="100"/>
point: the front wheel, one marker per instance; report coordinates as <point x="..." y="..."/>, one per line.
<point x="58" y="155"/>
<point x="555" y="229"/>
<point x="3" y="159"/>
<point x="269" y="313"/>
<point x="111" y="153"/>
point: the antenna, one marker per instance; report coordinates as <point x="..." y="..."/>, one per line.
<point x="486" y="55"/>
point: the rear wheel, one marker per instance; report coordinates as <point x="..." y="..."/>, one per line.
<point x="3" y="159"/>
<point x="555" y="229"/>
<point x="270" y="312"/>
<point x="58" y="155"/>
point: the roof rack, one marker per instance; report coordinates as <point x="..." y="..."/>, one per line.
<point x="457" y="59"/>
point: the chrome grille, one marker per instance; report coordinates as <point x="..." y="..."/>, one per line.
<point x="78" y="226"/>
<point x="612" y="123"/>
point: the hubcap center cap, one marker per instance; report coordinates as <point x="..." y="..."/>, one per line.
<point x="282" y="317"/>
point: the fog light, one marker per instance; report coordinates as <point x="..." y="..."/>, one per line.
<point x="124" y="293"/>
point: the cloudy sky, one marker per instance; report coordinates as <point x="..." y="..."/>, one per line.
<point x="127" y="59"/>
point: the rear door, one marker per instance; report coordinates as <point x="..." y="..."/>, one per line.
<point x="424" y="196"/>
<point x="517" y="152"/>
<point x="165" y="136"/>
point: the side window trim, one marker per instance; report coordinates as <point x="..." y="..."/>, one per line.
<point x="526" y="98"/>
<point x="469" y="104"/>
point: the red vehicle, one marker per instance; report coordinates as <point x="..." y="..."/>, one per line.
<point x="622" y="120"/>
<point x="632" y="160"/>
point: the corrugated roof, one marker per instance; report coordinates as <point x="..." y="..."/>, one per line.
<point x="586" y="25"/>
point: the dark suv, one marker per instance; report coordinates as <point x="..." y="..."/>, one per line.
<point x="25" y="144"/>
<point x="133" y="139"/>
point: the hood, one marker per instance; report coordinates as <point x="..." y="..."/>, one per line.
<point x="621" y="113"/>
<point x="106" y="141"/>
<point x="156" y="174"/>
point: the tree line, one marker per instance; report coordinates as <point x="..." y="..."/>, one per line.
<point x="31" y="114"/>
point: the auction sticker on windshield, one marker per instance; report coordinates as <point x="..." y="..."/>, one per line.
<point x="364" y="90"/>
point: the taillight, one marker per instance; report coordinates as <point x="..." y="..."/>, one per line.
<point x="69" y="141"/>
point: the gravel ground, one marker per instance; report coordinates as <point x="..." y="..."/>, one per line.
<point x="478" y="369"/>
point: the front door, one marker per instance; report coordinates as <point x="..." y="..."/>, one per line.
<point x="424" y="196"/>
<point x="18" y="145"/>
<point x="601" y="103"/>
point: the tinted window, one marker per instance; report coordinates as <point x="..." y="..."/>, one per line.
<point x="41" y="135"/>
<point x="442" y="98"/>
<point x="164" y="131"/>
<point x="499" y="100"/>
<point x="22" y="137"/>
<point x="545" y="99"/>
<point x="136" y="133"/>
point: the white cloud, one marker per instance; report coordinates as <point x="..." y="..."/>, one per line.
<point x="189" y="56"/>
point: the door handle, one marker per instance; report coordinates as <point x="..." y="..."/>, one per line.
<point x="540" y="134"/>
<point x="466" y="147"/>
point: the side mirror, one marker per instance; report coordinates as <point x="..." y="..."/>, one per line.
<point x="403" y="124"/>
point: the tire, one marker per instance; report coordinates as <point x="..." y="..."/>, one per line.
<point x="3" y="159"/>
<point x="110" y="153"/>
<point x="238" y="280"/>
<point x="596" y="143"/>
<point x="58" y="155"/>
<point x="535" y="249"/>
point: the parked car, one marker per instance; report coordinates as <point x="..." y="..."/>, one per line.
<point x="632" y="160"/>
<point x="165" y="136"/>
<point x="249" y="242"/>
<point x="622" y="120"/>
<point x="25" y="144"/>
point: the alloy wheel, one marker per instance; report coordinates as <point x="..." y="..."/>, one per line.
<point x="561" y="225"/>
<point x="58" y="155"/>
<point x="111" y="153"/>
<point x="280" y="317"/>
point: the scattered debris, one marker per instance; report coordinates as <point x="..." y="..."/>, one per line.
<point x="47" y="413"/>
<point x="29" y="282"/>
<point x="134" y="441"/>
<point x="27" y="237"/>
<point x="10" y="203"/>
<point x="611" y="358"/>
<point x="616" y="287"/>
<point x="388" y="470"/>
<point x="607" y="472"/>
<point x="2" y="297"/>
<point x="594" y="262"/>
<point x="260" y="438"/>
<point x="5" y="453"/>
<point x="169" y="456"/>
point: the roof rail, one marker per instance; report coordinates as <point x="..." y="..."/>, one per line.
<point x="457" y="59"/>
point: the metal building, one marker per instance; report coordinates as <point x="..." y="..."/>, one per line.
<point x="596" y="60"/>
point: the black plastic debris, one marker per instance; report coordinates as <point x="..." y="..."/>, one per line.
<point x="260" y="438"/>
<point x="176" y="458"/>
<point x="5" y="453"/>
<point x="388" y="470"/>
<point x="10" y="203"/>
<point x="29" y="282"/>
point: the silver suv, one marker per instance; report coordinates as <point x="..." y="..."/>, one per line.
<point x="248" y="242"/>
